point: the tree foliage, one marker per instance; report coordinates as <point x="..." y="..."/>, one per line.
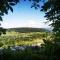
<point x="5" y="6"/>
<point x="52" y="9"/>
<point x="52" y="13"/>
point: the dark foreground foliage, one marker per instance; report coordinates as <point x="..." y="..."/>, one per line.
<point x="47" y="51"/>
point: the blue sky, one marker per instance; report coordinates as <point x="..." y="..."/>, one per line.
<point x="24" y="16"/>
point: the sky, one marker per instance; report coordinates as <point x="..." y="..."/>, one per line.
<point x="24" y="16"/>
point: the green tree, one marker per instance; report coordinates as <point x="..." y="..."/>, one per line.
<point x="5" y="6"/>
<point x="52" y="13"/>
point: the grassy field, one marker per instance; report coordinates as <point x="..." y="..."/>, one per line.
<point x="23" y="46"/>
<point x="15" y="38"/>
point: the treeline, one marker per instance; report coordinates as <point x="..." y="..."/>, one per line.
<point x="28" y="30"/>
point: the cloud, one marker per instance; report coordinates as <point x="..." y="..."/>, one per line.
<point x="35" y="23"/>
<point x="29" y="23"/>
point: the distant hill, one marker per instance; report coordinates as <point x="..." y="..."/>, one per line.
<point x="28" y="29"/>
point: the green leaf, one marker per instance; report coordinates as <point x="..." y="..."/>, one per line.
<point x="6" y="11"/>
<point x="11" y="8"/>
<point x="12" y="4"/>
<point x="1" y="18"/>
<point x="1" y="14"/>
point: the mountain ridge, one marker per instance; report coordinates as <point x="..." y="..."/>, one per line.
<point x="28" y="29"/>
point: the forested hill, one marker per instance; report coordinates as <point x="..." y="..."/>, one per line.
<point x="27" y="29"/>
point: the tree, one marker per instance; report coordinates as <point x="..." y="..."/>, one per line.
<point x="5" y="6"/>
<point x="52" y="13"/>
<point x="52" y="9"/>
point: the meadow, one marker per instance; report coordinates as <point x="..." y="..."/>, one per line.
<point x="26" y="46"/>
<point x="20" y="39"/>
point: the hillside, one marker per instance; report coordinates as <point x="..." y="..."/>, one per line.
<point x="28" y="29"/>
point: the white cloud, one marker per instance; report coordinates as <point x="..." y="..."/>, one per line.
<point x="38" y="24"/>
<point x="29" y="23"/>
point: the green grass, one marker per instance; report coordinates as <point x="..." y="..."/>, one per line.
<point x="15" y="38"/>
<point x="27" y="39"/>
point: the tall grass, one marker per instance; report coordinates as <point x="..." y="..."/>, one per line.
<point x="15" y="38"/>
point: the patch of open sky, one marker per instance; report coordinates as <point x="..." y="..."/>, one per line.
<point x="24" y="16"/>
